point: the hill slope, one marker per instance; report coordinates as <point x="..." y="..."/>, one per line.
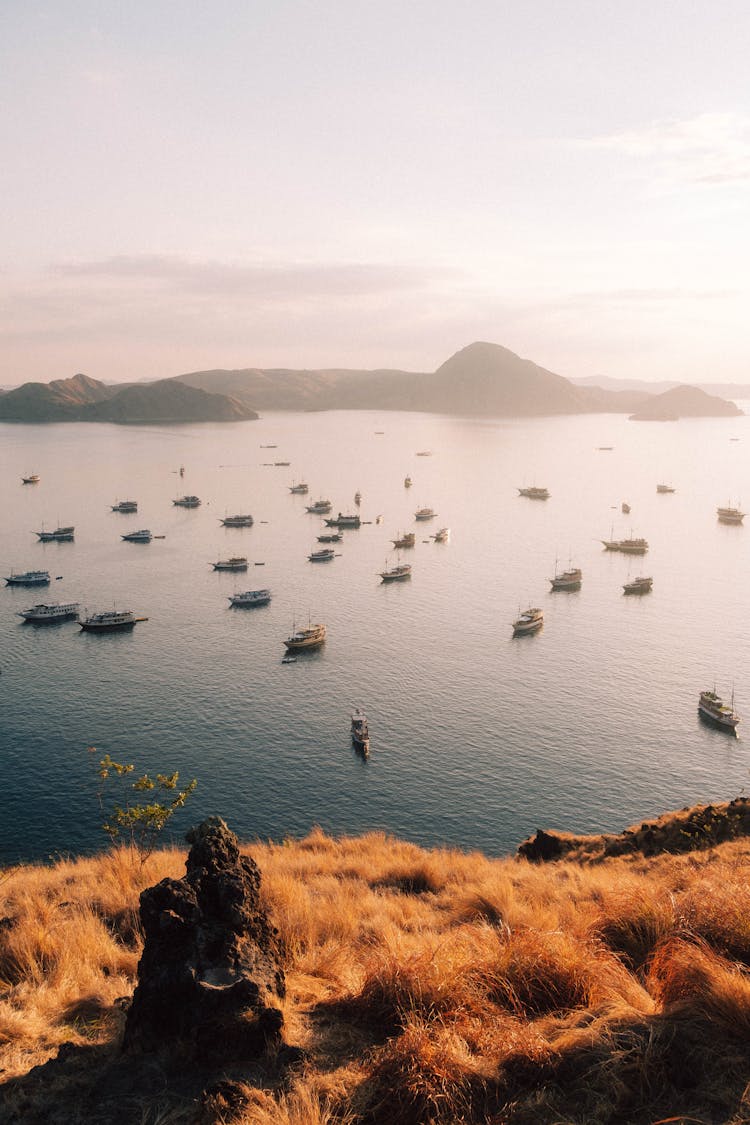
<point x="685" y="402"/>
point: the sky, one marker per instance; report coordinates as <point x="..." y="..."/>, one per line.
<point x="350" y="183"/>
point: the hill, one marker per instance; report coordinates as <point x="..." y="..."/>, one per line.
<point x="684" y="402"/>
<point x="81" y="399"/>
<point x="423" y="987"/>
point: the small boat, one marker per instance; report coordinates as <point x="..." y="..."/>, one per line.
<point x="333" y="537"/>
<point x="605" y="448"/>
<point x="319" y="508"/>
<point x="325" y="554"/>
<point x="59" y="535"/>
<point x="28" y="578"/>
<point x="625" y="508"/>
<point x="425" y="514"/>
<point x="49" y="614"/>
<point x="424" y="453"/>
<point x="534" y="493"/>
<point x="311" y="637"/>
<point x="360" y="731"/>
<point x="357" y="497"/>
<point x="567" y="579"/>
<point x="182" y="470"/>
<point x="662" y="488"/>
<point x="631" y="546"/>
<point x="251" y="598"/>
<point x="300" y="489"/>
<point x="396" y="573"/>
<point x="715" y="710"/>
<point x="125" y="506"/>
<point x="111" y="621"/>
<point x="238" y="521"/>
<point x="237" y="562"/>
<point x="282" y="464"/>
<point x="343" y="520"/>
<point x="33" y="479"/>
<point x="143" y="536"/>
<point x="187" y="502"/>
<point x="528" y="622"/>
<point x="638" y="586"/>
<point x="441" y="536"/>
<point x="287" y="658"/>
<point x="730" y="515"/>
<point x="269" y="447"/>
<point x="407" y="482"/>
<point x="404" y="541"/>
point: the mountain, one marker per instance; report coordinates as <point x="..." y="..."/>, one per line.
<point x="81" y="399"/>
<point x="684" y="402"/>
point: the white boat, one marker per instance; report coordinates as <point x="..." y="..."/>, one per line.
<point x="187" y="502"/>
<point x="714" y="709"/>
<point x="48" y="614"/>
<point x="730" y="515"/>
<point x="534" y="493"/>
<point x="639" y="586"/>
<point x="396" y="573"/>
<point x="238" y="521"/>
<point x="567" y="579"/>
<point x="325" y="554"/>
<point x="357" y="497"/>
<point x="300" y="489"/>
<point x="111" y="621"/>
<point x="360" y="731"/>
<point x="528" y="622"/>
<point x="311" y="637"/>
<point x="143" y="536"/>
<point x="237" y="562"/>
<point x="251" y="598"/>
<point x="319" y="508"/>
<point x="28" y="578"/>
<point x="59" y="535"/>
<point x="425" y="514"/>
<point x="125" y="506"/>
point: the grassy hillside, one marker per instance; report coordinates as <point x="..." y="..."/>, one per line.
<point x="423" y="986"/>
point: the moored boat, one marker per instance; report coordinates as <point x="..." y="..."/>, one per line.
<point x="319" y="508"/>
<point x="639" y="586"/>
<point x="125" y="506"/>
<point x="358" y="498"/>
<point x="407" y="540"/>
<point x="425" y="514"/>
<point x="28" y="578"/>
<point x="663" y="488"/>
<point x="534" y="493"/>
<point x="360" y="731"/>
<point x="33" y="479"/>
<point x="332" y="537"/>
<point x="567" y="579"/>
<point x="396" y="573"/>
<point x="49" y="614"/>
<point x="630" y="546"/>
<point x="111" y="621"/>
<point x="343" y="520"/>
<point x="730" y="515"/>
<point x="528" y="621"/>
<point x="143" y="536"/>
<point x="238" y="521"/>
<point x="300" y="489"/>
<point x="59" y="535"/>
<point x="251" y="598"/>
<point x="625" y="508"/>
<point x="237" y="562"/>
<point x="187" y="502"/>
<point x="311" y="637"/>
<point x="407" y="482"/>
<point x="441" y="536"/>
<point x="715" y="710"/>
<point x="325" y="554"/>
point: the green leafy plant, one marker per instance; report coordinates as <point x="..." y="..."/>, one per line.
<point x="137" y="820"/>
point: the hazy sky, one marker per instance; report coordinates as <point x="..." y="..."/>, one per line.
<point x="374" y="183"/>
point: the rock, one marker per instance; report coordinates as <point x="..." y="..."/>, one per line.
<point x="542" y="847"/>
<point x="211" y="965"/>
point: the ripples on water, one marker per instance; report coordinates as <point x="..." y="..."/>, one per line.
<point x="477" y="739"/>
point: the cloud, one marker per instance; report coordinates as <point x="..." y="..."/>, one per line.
<point x="711" y="148"/>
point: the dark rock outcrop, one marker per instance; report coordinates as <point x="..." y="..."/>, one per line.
<point x="211" y="965"/>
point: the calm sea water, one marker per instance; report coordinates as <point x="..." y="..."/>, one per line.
<point x="477" y="738"/>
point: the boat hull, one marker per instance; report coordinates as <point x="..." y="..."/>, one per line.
<point x="302" y="646"/>
<point x="717" y="721"/>
<point x="97" y="627"/>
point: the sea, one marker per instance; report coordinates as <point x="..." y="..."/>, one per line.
<point x="477" y="738"/>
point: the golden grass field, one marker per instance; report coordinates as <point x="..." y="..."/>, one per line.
<point x="425" y="986"/>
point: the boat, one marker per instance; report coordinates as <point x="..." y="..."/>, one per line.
<point x="143" y="536"/>
<point x="425" y="453"/>
<point x="333" y="537"/>
<point x="187" y="502"/>
<point x="28" y="578"/>
<point x="407" y="482"/>
<point x="282" y="464"/>
<point x="357" y="497"/>
<point x="319" y="508"/>
<point x="33" y="479"/>
<point x="567" y="579"/>
<point x="311" y="637"/>
<point x="625" y="508"/>
<point x="396" y="573"/>
<point x="182" y="470"/>
<point x="251" y="598"/>
<point x="425" y="514"/>
<point x="237" y="562"/>
<point x="325" y="554"/>
<point x="59" y="535"/>
<point x="730" y="515"/>
<point x="300" y="489"/>
<point x="528" y="622"/>
<point x="662" y="488"/>
<point x="534" y="493"/>
<point x="441" y="536"/>
<point x="125" y="506"/>
<point x="407" y="540"/>
<point x="343" y="520"/>
<point x="639" y="586"/>
<point x="714" y="709"/>
<point x="269" y="446"/>
<point x="288" y="659"/>
<point x="48" y="614"/>
<point x="631" y="546"/>
<point x="360" y="731"/>
<point x="238" y="521"/>
<point x="111" y="621"/>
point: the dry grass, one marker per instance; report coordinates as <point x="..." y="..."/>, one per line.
<point x="430" y="987"/>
